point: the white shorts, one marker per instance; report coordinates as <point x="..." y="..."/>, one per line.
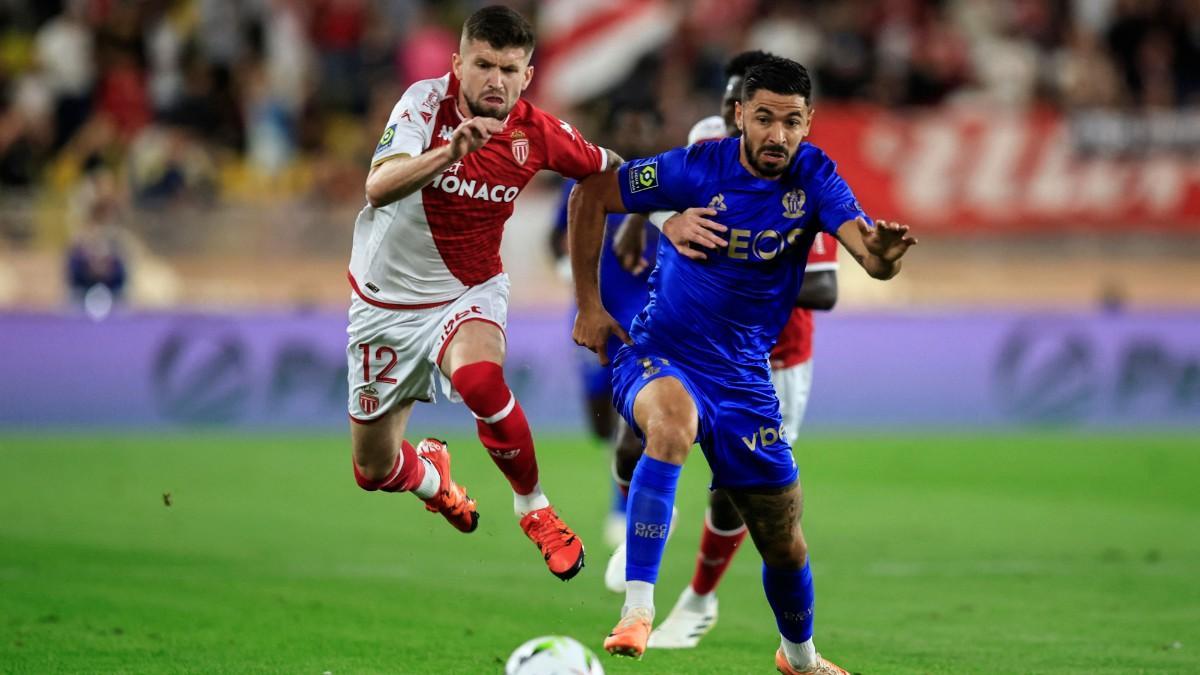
<point x="393" y="354"/>
<point x="792" y="386"/>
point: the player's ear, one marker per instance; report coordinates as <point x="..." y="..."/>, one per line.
<point x="456" y="62"/>
<point x="528" y="78"/>
<point x="737" y="116"/>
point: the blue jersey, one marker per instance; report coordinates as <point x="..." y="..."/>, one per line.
<point x="711" y="324"/>
<point x="730" y="308"/>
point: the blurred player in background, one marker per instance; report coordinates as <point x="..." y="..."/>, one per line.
<point x="632" y="130"/>
<point x="693" y="367"/>
<point x="695" y="613"/>
<point x="430" y="295"/>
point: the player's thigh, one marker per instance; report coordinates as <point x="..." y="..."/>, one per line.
<point x="386" y="359"/>
<point x="772" y="517"/>
<point x="746" y="447"/>
<point x="654" y="398"/>
<point x="474" y="341"/>
<point x="375" y="443"/>
<point x="793" y="385"/>
<point x="472" y="327"/>
<point x="668" y="417"/>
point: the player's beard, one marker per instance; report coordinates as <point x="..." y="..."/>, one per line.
<point x="478" y="110"/>
<point x="753" y="153"/>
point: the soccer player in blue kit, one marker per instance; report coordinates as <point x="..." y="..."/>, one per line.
<point x="694" y="367"/>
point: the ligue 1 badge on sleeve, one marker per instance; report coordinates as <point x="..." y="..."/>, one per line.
<point x="389" y="134"/>
<point x="644" y="177"/>
<point x="520" y="147"/>
<point x="368" y="400"/>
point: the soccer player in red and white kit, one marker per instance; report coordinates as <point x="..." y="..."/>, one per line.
<point x="695" y="613"/>
<point x="430" y="296"/>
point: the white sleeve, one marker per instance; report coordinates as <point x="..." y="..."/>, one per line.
<point x="660" y="218"/>
<point x="707" y="129"/>
<point x="409" y="129"/>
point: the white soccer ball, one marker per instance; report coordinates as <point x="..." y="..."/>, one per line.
<point x="553" y="655"/>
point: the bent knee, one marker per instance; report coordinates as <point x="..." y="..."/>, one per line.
<point x="786" y="554"/>
<point x="669" y="441"/>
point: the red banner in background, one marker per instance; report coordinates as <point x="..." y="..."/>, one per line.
<point x="979" y="170"/>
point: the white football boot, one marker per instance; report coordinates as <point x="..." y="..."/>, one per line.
<point x="691" y="617"/>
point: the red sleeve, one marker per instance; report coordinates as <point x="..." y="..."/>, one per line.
<point x="823" y="254"/>
<point x="568" y="152"/>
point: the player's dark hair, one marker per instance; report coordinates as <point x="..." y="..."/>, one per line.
<point x="500" y="27"/>
<point x="739" y="64"/>
<point x="779" y="76"/>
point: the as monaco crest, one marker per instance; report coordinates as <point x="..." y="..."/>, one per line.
<point x="368" y="400"/>
<point x="520" y="147"/>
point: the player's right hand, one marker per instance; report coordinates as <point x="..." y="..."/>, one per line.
<point x="691" y="227"/>
<point x="472" y="134"/>
<point x="592" y="330"/>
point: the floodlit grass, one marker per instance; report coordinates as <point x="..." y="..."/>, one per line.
<point x="1031" y="553"/>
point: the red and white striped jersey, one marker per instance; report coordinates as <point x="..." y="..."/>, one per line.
<point x="428" y="248"/>
<point x="795" y="341"/>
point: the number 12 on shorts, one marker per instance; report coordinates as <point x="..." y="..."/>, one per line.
<point x="382" y="352"/>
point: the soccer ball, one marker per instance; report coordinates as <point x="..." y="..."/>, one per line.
<point x="553" y="655"/>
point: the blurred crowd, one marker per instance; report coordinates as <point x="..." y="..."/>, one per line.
<point x="149" y="104"/>
<point x="171" y="88"/>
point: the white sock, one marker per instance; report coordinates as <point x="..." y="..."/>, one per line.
<point x="694" y="602"/>
<point x="430" y="483"/>
<point x="533" y="501"/>
<point x="802" y="655"/>
<point x="638" y="595"/>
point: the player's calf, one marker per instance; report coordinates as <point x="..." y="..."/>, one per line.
<point x="500" y="422"/>
<point x="403" y="473"/>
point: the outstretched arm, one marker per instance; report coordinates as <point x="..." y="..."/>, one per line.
<point x="878" y="249"/>
<point x="593" y="198"/>
<point x="398" y="177"/>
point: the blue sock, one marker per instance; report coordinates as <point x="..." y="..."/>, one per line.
<point x="618" y="499"/>
<point x="651" y="498"/>
<point x="790" y="593"/>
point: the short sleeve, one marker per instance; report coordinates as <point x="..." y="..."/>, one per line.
<point x="823" y="255"/>
<point x="658" y="183"/>
<point x="409" y="129"/>
<point x="570" y="154"/>
<point x="835" y="201"/>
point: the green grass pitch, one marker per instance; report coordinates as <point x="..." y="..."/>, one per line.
<point x="1006" y="553"/>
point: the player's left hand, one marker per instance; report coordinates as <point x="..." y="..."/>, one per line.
<point x="887" y="240"/>
<point x="593" y="328"/>
<point x="629" y="243"/>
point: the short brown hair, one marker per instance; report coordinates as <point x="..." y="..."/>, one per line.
<point x="500" y="27"/>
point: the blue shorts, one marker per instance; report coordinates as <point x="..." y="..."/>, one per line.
<point x="741" y="430"/>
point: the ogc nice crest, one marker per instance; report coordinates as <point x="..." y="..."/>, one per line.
<point x="520" y="147"/>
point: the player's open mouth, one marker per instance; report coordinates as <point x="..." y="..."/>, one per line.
<point x="773" y="155"/>
<point x="494" y="100"/>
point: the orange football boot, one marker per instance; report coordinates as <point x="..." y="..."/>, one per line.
<point x="451" y="499"/>
<point x="823" y="667"/>
<point x="630" y="636"/>
<point x="561" y="549"/>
